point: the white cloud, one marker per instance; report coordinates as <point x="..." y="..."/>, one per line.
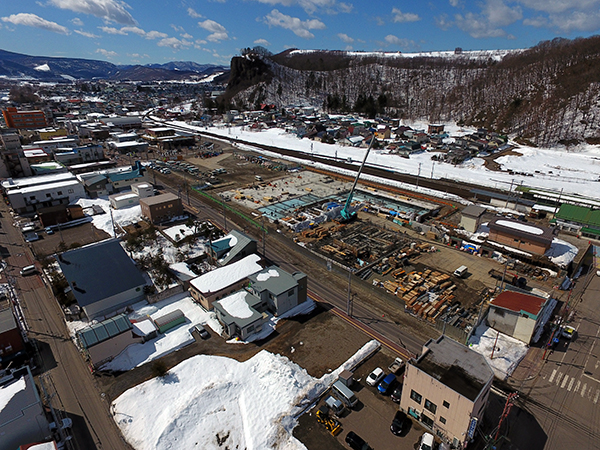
<point x="106" y="53"/>
<point x="186" y="36"/>
<point x="345" y="38"/>
<point x="456" y="3"/>
<point x="112" y="30"/>
<point x="86" y="34"/>
<point x="192" y="13"/>
<point x="577" y="21"/>
<point x="138" y="55"/>
<point x="400" y="42"/>
<point x="561" y="6"/>
<point x="298" y="27"/>
<point x="218" y="31"/>
<point x="173" y="43"/>
<point x="400" y="17"/>
<point x="135" y="30"/>
<point x="77" y="22"/>
<point x="487" y="24"/>
<point x="31" y="20"/>
<point x="262" y="42"/>
<point x="109" y="10"/>
<point x="311" y="6"/>
<point x="477" y="26"/>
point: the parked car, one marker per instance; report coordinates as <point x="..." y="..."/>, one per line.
<point x="386" y="384"/>
<point x="49" y="230"/>
<point x="426" y="442"/>
<point x="375" y="377"/>
<point x="567" y="332"/>
<point x="204" y="334"/>
<point x="356" y="442"/>
<point x="396" y="394"/>
<point x="399" y="423"/>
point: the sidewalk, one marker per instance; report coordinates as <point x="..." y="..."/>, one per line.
<point x="528" y="368"/>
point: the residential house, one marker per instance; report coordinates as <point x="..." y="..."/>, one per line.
<point x="161" y="208"/>
<point x="11" y="338"/>
<point x="220" y="282"/>
<point x="278" y="289"/>
<point x="104" y="340"/>
<point x="22" y="416"/>
<point x="231" y="248"/>
<point x="87" y="270"/>
<point x="240" y="314"/>
<point x="446" y="389"/>
<point x="520" y="315"/>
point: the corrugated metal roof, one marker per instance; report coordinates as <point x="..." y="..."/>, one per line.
<point x="7" y="320"/>
<point x="169" y="317"/>
<point x="102" y="331"/>
<point x="579" y="214"/>
<point x="99" y="271"/>
<point x="515" y="301"/>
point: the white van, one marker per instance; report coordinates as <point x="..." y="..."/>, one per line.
<point x="461" y="271"/>
<point x="28" y="270"/>
<point x="343" y="393"/>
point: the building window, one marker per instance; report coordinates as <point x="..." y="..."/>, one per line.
<point x="427" y="420"/>
<point x="49" y="195"/>
<point x="442" y="420"/>
<point x="430" y="406"/>
<point x="290" y="293"/>
<point x="446" y="404"/>
<point x="70" y="191"/>
<point x="59" y="192"/>
<point x="416" y="396"/>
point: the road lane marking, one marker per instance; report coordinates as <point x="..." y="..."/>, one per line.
<point x="552" y="376"/>
<point x="571" y="384"/>
<point x="597" y="395"/>
<point x="583" y="389"/>
<point x="560" y="375"/>
<point x="564" y="383"/>
<point x="577" y="385"/>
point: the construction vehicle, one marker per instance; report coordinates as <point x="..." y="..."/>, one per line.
<point x="347" y="215"/>
<point x="332" y="424"/>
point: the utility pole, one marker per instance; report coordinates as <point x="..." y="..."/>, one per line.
<point x="418" y="174"/>
<point x="349" y="300"/>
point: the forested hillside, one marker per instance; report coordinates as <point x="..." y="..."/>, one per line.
<point x="547" y="94"/>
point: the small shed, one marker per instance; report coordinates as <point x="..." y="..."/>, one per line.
<point x="471" y="218"/>
<point x="170" y="320"/>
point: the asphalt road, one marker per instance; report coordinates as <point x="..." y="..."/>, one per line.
<point x="58" y="361"/>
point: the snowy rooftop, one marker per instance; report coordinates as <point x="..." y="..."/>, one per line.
<point x="236" y="306"/>
<point x="226" y="276"/>
<point x="520" y="226"/>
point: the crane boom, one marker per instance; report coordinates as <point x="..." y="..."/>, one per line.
<point x="345" y="212"/>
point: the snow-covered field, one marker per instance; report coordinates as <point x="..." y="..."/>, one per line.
<point x="574" y="171"/>
<point x="213" y="402"/>
<point x="509" y="351"/>
<point x="104" y="222"/>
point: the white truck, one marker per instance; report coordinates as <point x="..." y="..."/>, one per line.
<point x="396" y="366"/>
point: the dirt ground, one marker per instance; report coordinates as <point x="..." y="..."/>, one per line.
<point x="73" y="237"/>
<point x="308" y="341"/>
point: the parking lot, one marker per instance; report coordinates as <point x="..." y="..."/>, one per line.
<point x="370" y="419"/>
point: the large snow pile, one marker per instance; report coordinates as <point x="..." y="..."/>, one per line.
<point x="137" y="354"/>
<point x="507" y="355"/>
<point x="561" y="252"/>
<point x="213" y="402"/>
<point x="7" y="392"/>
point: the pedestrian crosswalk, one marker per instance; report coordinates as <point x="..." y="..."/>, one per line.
<point x="588" y="390"/>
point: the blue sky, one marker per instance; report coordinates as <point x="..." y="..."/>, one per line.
<point x="212" y="31"/>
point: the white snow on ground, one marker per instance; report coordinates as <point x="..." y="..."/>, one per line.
<point x="178" y="232"/>
<point x="122" y="217"/>
<point x="235" y="304"/>
<point x="137" y="354"/>
<point x="8" y="392"/>
<point x="42" y="68"/>
<point x="561" y="252"/>
<point x="170" y="253"/>
<point x="558" y="168"/>
<point x="252" y="405"/>
<point x="509" y="351"/>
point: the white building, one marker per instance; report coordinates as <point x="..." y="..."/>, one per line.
<point x="123" y="200"/>
<point x="28" y="194"/>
